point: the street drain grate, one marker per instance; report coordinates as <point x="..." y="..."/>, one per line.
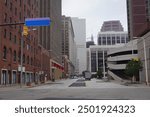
<point x="77" y="84"/>
<point x="80" y="80"/>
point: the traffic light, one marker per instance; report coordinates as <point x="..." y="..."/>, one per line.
<point x="25" y="30"/>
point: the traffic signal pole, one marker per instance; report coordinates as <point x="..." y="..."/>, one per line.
<point x="21" y="74"/>
<point x="12" y="24"/>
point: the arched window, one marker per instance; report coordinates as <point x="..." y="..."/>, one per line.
<point x="4" y="53"/>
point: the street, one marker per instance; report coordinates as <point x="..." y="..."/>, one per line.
<point x="70" y="89"/>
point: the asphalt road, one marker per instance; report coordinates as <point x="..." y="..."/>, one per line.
<point x="72" y="89"/>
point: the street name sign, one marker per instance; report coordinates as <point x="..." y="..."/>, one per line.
<point x="37" y="22"/>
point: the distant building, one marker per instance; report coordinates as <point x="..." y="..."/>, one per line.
<point x="89" y="43"/>
<point x="117" y="59"/>
<point x="112" y="38"/>
<point x="97" y="57"/>
<point x="112" y="33"/>
<point x="79" y="27"/>
<point x="68" y="45"/>
<point x="113" y="25"/>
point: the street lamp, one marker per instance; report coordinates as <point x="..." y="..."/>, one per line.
<point x="145" y="57"/>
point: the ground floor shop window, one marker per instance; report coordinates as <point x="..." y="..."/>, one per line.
<point x="32" y="77"/>
<point x="14" y="78"/>
<point x="24" y="78"/>
<point x="4" y="77"/>
<point x="28" y="78"/>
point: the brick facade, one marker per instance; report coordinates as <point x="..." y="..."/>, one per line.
<point x="36" y="66"/>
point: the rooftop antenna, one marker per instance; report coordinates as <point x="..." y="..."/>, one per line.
<point x="92" y="38"/>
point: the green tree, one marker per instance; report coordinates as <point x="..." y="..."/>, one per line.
<point x="99" y="73"/>
<point x="133" y="67"/>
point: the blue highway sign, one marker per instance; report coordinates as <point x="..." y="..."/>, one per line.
<point x="37" y="22"/>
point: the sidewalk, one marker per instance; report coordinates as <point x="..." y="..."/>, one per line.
<point x="101" y="83"/>
<point x="56" y="83"/>
<point x="18" y="86"/>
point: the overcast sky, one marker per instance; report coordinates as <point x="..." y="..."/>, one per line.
<point x="95" y="12"/>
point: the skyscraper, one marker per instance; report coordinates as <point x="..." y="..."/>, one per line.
<point x="138" y="17"/>
<point x="50" y="37"/>
<point x="113" y="25"/>
<point x="79" y="26"/>
<point x="68" y="44"/>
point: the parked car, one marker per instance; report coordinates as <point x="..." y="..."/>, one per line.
<point x="87" y="75"/>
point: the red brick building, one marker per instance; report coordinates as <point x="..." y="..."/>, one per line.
<point x="138" y="17"/>
<point x="35" y="59"/>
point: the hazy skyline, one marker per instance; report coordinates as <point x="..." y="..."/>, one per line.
<point x="96" y="12"/>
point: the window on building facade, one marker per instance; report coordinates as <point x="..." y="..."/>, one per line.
<point x="113" y="41"/>
<point x="14" y="80"/>
<point x="99" y="41"/>
<point x="19" y="56"/>
<point x="10" y="54"/>
<point x="127" y="39"/>
<point x="108" y="41"/>
<point x="10" y="36"/>
<point x="4" y="53"/>
<point x="11" y="6"/>
<point x="4" y="77"/>
<point x="5" y="33"/>
<point x="5" y="17"/>
<point x="118" y="39"/>
<point x="15" y="39"/>
<point x="93" y="61"/>
<point x="10" y="19"/>
<point x="15" y="56"/>
<point x="20" y="2"/>
<point x="6" y="2"/>
<point x="31" y="61"/>
<point x="28" y="60"/>
<point x="122" y="39"/>
<point x="104" y="40"/>
<point x="20" y="15"/>
<point x="24" y="58"/>
<point x="16" y="11"/>
<point x="24" y="8"/>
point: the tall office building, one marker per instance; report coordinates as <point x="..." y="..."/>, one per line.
<point x="51" y="37"/>
<point x="79" y="26"/>
<point x="68" y="45"/>
<point x="138" y="17"/>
